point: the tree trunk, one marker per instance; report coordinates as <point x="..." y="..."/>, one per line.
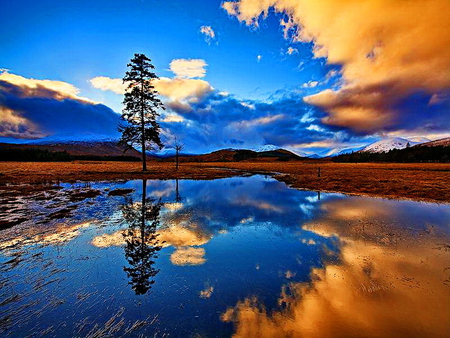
<point x="177" y="159"/>
<point x="143" y="239"/>
<point x="144" y="155"/>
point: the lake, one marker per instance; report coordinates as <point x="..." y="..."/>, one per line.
<point x="243" y="257"/>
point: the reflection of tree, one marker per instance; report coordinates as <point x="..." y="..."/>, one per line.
<point x="141" y="242"/>
<point x="178" y="198"/>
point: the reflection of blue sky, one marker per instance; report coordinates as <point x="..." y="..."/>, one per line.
<point x="254" y="235"/>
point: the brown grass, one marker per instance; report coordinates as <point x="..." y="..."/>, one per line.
<point x="429" y="182"/>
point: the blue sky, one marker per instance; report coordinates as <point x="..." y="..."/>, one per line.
<point x="77" y="41"/>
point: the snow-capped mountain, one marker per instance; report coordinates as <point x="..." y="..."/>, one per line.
<point x="389" y="144"/>
<point x="443" y="142"/>
<point x="73" y="138"/>
<point x="266" y="147"/>
<point x="341" y="150"/>
<point x="419" y="139"/>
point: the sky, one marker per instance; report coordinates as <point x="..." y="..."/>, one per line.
<point x="306" y="75"/>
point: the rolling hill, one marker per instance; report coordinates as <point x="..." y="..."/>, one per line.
<point x="77" y="148"/>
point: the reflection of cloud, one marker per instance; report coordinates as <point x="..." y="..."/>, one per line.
<point x="378" y="288"/>
<point x="289" y="274"/>
<point x="207" y="292"/>
<point x="175" y="235"/>
<point x="60" y="234"/>
<point x="249" y="219"/>
<point x="173" y="207"/>
<point x="180" y="236"/>
<point x="188" y="256"/>
<point x="107" y="240"/>
<point x="308" y="241"/>
<point x="263" y="205"/>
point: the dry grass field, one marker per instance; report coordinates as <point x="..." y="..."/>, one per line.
<point x="426" y="182"/>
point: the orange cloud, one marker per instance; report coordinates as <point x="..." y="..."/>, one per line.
<point x="387" y="50"/>
<point x="180" y="91"/>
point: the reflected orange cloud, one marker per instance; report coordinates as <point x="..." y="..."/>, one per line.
<point x="179" y="231"/>
<point x="59" y="234"/>
<point x="188" y="256"/>
<point x="175" y="235"/>
<point x="378" y="288"/>
<point x="207" y="292"/>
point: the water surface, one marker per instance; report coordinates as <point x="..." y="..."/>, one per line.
<point x="247" y="257"/>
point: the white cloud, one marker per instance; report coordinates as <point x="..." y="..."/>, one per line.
<point x="106" y="83"/>
<point x="208" y="32"/>
<point x="248" y="105"/>
<point x="188" y="68"/>
<point x="315" y="127"/>
<point x="172" y="117"/>
<point x="291" y="51"/>
<point x="310" y="84"/>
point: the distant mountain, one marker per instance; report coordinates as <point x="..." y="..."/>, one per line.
<point x="419" y="139"/>
<point x="72" y="137"/>
<point x="313" y="156"/>
<point x="77" y="148"/>
<point x="433" y="151"/>
<point x="233" y="155"/>
<point x="445" y="142"/>
<point x="166" y="153"/>
<point x="389" y="144"/>
<point x="272" y="147"/>
<point x="342" y="150"/>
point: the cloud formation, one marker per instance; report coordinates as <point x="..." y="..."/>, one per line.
<point x="208" y="32"/>
<point x="188" y="68"/>
<point x="180" y="91"/>
<point x="43" y="88"/>
<point x="31" y="109"/>
<point x="291" y="51"/>
<point x="388" y="51"/>
<point x="106" y="83"/>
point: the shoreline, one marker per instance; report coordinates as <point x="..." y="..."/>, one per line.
<point x="427" y="182"/>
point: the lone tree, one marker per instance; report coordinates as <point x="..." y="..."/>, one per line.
<point x="141" y="105"/>
<point x="178" y="147"/>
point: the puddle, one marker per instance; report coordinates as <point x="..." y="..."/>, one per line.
<point x="244" y="256"/>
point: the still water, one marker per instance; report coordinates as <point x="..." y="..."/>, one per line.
<point x="244" y="257"/>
